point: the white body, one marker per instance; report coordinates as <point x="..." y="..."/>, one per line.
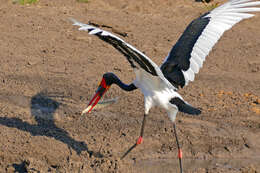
<point x="156" y="93"/>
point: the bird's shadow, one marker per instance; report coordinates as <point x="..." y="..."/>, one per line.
<point x="42" y="109"/>
<point x="20" y="168"/>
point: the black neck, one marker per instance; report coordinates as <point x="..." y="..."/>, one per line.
<point x="111" y="78"/>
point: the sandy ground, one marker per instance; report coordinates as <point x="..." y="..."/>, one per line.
<point x="49" y="71"/>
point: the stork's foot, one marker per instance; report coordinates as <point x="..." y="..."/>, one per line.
<point x="179" y="148"/>
<point x="139" y="141"/>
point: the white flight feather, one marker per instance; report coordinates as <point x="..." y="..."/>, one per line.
<point x="222" y="18"/>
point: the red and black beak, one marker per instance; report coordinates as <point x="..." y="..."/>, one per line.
<point x="102" y="88"/>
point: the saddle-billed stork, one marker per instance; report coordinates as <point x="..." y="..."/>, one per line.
<point x="160" y="84"/>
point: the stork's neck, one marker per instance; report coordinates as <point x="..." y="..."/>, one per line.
<point x="111" y="78"/>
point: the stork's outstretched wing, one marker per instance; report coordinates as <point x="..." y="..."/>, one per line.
<point x="188" y="54"/>
<point x="136" y="58"/>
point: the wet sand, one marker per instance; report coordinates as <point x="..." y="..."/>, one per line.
<point x="49" y="71"/>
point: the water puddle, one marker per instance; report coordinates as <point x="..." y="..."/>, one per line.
<point x="172" y="165"/>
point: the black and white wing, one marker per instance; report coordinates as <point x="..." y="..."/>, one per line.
<point x="136" y="58"/>
<point x="188" y="54"/>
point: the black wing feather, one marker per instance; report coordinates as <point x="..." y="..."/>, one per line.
<point x="179" y="56"/>
<point x="187" y="55"/>
<point x="135" y="57"/>
<point x="130" y="54"/>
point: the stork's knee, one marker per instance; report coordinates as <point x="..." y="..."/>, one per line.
<point x="139" y="140"/>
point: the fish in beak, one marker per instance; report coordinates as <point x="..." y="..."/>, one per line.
<point x="102" y="88"/>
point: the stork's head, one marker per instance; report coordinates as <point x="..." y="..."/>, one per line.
<point x="107" y="80"/>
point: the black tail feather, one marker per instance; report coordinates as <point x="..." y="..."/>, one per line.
<point x="184" y="107"/>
